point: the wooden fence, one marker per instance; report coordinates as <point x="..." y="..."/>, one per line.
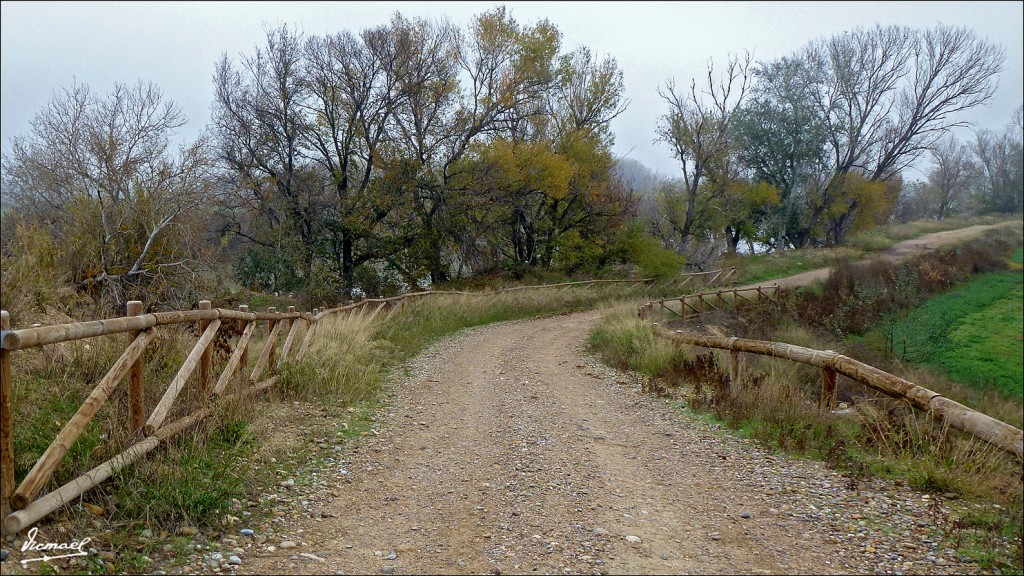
<point x="991" y="430"/>
<point x="710" y="277"/>
<point x="22" y="506"/>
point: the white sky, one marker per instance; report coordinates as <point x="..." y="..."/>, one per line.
<point x="46" y="45"/>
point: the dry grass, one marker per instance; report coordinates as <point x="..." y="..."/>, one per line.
<point x="777" y="404"/>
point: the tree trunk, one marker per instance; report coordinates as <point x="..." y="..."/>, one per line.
<point x="348" y="269"/>
<point x="732" y="237"/>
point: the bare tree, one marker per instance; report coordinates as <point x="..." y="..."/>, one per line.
<point x="951" y="177"/>
<point x="1000" y="157"/>
<point x="354" y="86"/>
<point x="258" y="121"/>
<point x="698" y="127"/>
<point x="888" y="93"/>
<point x="100" y="172"/>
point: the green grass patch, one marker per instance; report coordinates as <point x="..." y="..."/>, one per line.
<point x="192" y="483"/>
<point x="973" y="333"/>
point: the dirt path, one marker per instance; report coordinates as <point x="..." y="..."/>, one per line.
<point x="899" y="252"/>
<point x="509" y="450"/>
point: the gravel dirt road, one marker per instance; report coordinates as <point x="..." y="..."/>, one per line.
<point x="508" y="449"/>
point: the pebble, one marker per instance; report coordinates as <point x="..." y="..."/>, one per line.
<point x="3" y="555"/>
<point x="246" y="532"/>
<point x="391" y="556"/>
<point x="234" y="560"/>
<point x="745" y="515"/>
<point x="387" y="570"/>
<point x="288" y="544"/>
<point x="147" y="533"/>
<point x="633" y="539"/>
<point x="187" y="531"/>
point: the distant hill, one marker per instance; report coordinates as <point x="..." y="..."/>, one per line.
<point x="639" y="177"/>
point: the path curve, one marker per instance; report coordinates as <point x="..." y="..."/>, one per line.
<point x="897" y="253"/>
<point x="510" y="450"/>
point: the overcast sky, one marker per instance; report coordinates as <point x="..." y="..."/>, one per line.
<point x="46" y="45"/>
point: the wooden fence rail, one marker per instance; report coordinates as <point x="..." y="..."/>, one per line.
<point x="22" y="506"/>
<point x="942" y="409"/>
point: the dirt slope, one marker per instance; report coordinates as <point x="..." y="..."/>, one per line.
<point x="509" y="450"/>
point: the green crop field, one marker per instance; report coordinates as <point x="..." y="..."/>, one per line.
<point x="974" y="333"/>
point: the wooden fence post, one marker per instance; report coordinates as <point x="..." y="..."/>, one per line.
<point x="206" y="362"/>
<point x="828" y="390"/>
<point x="272" y="355"/>
<point x="136" y="382"/>
<point x="734" y="371"/>
<point x="6" y="424"/>
<point x="244" y="358"/>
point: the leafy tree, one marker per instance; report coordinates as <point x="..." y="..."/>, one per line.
<point x="782" y="142"/>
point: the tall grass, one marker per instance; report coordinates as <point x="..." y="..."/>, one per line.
<point x="353" y="352"/>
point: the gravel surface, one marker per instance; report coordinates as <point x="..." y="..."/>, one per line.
<point x="509" y="450"/>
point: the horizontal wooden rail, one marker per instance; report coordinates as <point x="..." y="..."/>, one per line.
<point x="42" y="335"/>
<point x="991" y="430"/>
